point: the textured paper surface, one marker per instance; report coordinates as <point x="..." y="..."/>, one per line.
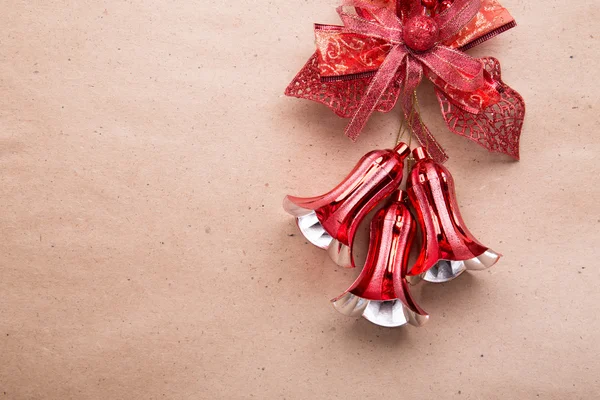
<point x="145" y="149"/>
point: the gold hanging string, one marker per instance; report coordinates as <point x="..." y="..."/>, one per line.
<point x="401" y="130"/>
<point x="417" y="108"/>
<point x="406" y="126"/>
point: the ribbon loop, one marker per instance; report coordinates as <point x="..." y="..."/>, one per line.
<point x="386" y="26"/>
<point x="456" y="17"/>
<point x="457" y="69"/>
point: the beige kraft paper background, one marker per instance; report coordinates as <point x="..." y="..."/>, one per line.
<point x="145" y="149"/>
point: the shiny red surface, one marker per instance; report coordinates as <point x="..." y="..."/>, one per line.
<point x="384" y="274"/>
<point x="375" y="177"/>
<point x="445" y="236"/>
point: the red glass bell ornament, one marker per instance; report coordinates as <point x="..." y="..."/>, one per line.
<point x="381" y="293"/>
<point x="330" y="221"/>
<point x="448" y="248"/>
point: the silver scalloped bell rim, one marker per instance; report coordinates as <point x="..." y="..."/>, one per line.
<point x="445" y="270"/>
<point x="389" y="314"/>
<point x="340" y="254"/>
<point x="313" y="231"/>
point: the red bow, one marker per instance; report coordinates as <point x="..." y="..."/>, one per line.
<point x="380" y="55"/>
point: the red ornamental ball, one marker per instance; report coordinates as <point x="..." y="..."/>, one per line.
<point x="430" y="4"/>
<point x="420" y="33"/>
<point x="444" y="5"/>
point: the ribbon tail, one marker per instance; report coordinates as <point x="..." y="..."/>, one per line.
<point x="380" y="82"/>
<point x="412" y="78"/>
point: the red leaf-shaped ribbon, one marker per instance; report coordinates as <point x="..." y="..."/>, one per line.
<point x="342" y="96"/>
<point x="498" y="126"/>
